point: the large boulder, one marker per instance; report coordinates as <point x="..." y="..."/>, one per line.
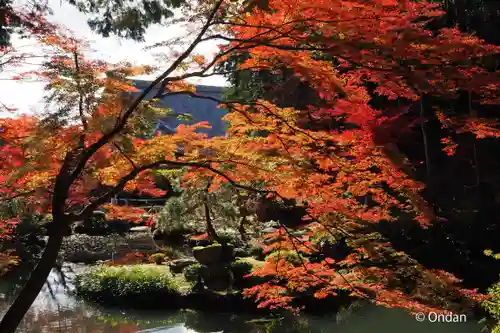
<point x="141" y="241"/>
<point x="178" y="265"/>
<point x="216" y="277"/>
<point x="214" y="254"/>
<point x="207" y="255"/>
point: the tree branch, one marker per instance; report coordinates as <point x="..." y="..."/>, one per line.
<point x="91" y="150"/>
<point x="18" y="195"/>
<point x="87" y="210"/>
<point x="124" y="155"/>
<point x="80" y="91"/>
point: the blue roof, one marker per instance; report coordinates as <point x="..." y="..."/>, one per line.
<point x="198" y="108"/>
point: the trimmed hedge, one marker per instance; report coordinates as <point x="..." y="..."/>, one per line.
<point x="124" y="285"/>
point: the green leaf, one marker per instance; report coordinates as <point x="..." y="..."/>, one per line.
<point x="185" y="117"/>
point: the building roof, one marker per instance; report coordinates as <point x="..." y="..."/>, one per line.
<point x="198" y="108"/>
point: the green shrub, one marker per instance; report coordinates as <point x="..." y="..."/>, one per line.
<point x="172" y="252"/>
<point x="135" y="283"/>
<point x="230" y="237"/>
<point x="290" y="256"/>
<point x="214" y="244"/>
<point x="244" y="266"/>
<point x="492" y="304"/>
<point x="241" y="268"/>
<point x="192" y="272"/>
<point x="257" y="252"/>
<point x="239" y="252"/>
<point x="157" y="258"/>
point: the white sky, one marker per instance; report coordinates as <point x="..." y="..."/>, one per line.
<point x="26" y="96"/>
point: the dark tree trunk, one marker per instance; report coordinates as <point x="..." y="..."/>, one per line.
<point x="212" y="234"/>
<point x="31" y="289"/>
<point x="461" y="14"/>
<point x="242" y="230"/>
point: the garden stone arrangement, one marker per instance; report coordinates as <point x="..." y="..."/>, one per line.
<point x="212" y="278"/>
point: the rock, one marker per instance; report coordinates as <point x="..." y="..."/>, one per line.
<point x="140" y="229"/>
<point x="99" y="214"/>
<point x="141" y="241"/>
<point x="178" y="265"/>
<point x="269" y="241"/>
<point x="269" y="230"/>
<point x="209" y="254"/>
<point x="216" y="277"/>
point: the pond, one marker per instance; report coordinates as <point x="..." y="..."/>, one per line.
<point x="57" y="310"/>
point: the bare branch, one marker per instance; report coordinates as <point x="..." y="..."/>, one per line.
<point x="191" y="47"/>
<point x="80" y="91"/>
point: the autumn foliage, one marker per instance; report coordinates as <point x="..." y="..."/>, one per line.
<point x="348" y="177"/>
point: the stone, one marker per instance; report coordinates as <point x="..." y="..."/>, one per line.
<point x="216" y="277"/>
<point x="269" y="241"/>
<point x="178" y="265"/>
<point x="269" y="230"/>
<point x="99" y="214"/>
<point x="209" y="254"/>
<point x="140" y="229"/>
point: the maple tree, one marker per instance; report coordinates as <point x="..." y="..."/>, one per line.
<point x="348" y="178"/>
<point x="359" y="174"/>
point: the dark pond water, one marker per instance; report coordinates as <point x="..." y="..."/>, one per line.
<point x="57" y="310"/>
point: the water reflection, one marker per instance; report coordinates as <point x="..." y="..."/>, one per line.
<point x="57" y="310"/>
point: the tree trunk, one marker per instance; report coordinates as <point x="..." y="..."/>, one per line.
<point x="31" y="289"/>
<point x="242" y="230"/>
<point x="428" y="166"/>
<point x="461" y="14"/>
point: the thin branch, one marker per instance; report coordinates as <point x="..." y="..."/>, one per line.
<point x="303" y="20"/>
<point x="91" y="150"/>
<point x="86" y="211"/>
<point x="125" y="155"/>
<point x="17" y="195"/>
<point x="80" y="92"/>
<point x="197" y="40"/>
